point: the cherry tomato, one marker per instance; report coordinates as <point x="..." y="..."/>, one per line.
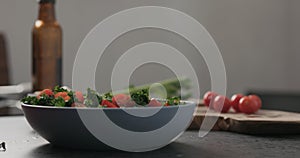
<point x="235" y="102"/>
<point x="64" y="95"/>
<point x="221" y="104"/>
<point x="154" y="103"/>
<point x="79" y="96"/>
<point x="248" y="105"/>
<point x="122" y="100"/>
<point x="208" y="98"/>
<point x="108" y="104"/>
<point x="256" y="99"/>
<point x="78" y="105"/>
<point x="47" y="92"/>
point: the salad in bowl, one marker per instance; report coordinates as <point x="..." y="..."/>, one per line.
<point x="131" y="122"/>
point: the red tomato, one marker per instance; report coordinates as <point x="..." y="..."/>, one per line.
<point x="154" y="103"/>
<point x="256" y="99"/>
<point x="64" y="95"/>
<point x="79" y="96"/>
<point x="108" y="104"/>
<point x="122" y="100"/>
<point x="209" y="97"/>
<point x="235" y="102"/>
<point x="247" y="105"/>
<point x="47" y="92"/>
<point x="221" y="104"/>
<point x="78" y="105"/>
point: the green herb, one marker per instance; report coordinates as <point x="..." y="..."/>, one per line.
<point x="108" y="96"/>
<point x="141" y="96"/>
<point x="92" y="98"/>
<point x="59" y="89"/>
<point x="45" y="100"/>
<point x="173" y="87"/>
<point x="59" y="102"/>
<point x="72" y="99"/>
<point x="173" y="101"/>
<point x="32" y="100"/>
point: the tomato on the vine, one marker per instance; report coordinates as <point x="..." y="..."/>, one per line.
<point x="208" y="98"/>
<point x="256" y="99"/>
<point x="248" y="105"/>
<point x="221" y="104"/>
<point x="235" y="102"/>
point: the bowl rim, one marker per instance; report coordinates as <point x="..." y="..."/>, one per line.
<point x="187" y="103"/>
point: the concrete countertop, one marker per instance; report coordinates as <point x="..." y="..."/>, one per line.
<point x="23" y="142"/>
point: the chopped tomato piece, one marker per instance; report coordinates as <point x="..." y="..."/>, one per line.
<point x="48" y="92"/>
<point x="64" y="95"/>
<point x="79" y="96"/>
<point x="122" y="100"/>
<point x="154" y="103"/>
<point x="78" y="105"/>
<point x="108" y="104"/>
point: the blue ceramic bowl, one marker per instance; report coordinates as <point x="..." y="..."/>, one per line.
<point x="135" y="129"/>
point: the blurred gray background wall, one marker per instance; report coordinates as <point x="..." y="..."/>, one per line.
<point x="259" y="39"/>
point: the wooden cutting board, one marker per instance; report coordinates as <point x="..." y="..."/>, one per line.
<point x="262" y="122"/>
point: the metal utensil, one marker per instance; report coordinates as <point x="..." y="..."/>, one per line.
<point x="15" y="91"/>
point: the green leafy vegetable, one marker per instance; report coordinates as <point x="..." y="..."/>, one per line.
<point x="45" y="100"/>
<point x="141" y="96"/>
<point x="32" y="100"/>
<point x="59" y="102"/>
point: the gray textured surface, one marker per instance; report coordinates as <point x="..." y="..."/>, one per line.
<point x="22" y="142"/>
